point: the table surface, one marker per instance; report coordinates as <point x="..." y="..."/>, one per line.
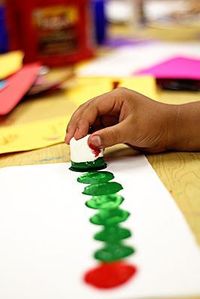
<point x="180" y="172"/>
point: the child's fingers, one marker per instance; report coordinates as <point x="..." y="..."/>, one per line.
<point x="110" y="135"/>
<point x="70" y="132"/>
<point x="87" y="114"/>
<point x="72" y="126"/>
<point x="82" y="129"/>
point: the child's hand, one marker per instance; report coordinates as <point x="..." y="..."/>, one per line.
<point x="124" y="116"/>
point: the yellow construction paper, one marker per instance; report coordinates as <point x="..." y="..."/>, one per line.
<point x="10" y="63"/>
<point x="42" y="122"/>
<point x="33" y="135"/>
<point x="90" y="87"/>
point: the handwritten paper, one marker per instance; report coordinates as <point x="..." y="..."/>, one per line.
<point x="46" y="237"/>
<point x="33" y="135"/>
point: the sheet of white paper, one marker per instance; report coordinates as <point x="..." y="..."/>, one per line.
<point x="129" y="59"/>
<point x="46" y="240"/>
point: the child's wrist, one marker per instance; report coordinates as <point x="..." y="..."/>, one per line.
<point x="172" y="120"/>
<point x="179" y="128"/>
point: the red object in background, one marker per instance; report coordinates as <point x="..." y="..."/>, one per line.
<point x="55" y="32"/>
<point x="17" y="86"/>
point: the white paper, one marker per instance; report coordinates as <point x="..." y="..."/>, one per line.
<point x="129" y="59"/>
<point x="46" y="240"/>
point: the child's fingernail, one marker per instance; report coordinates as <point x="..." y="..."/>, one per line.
<point x="96" y="141"/>
<point x="66" y="139"/>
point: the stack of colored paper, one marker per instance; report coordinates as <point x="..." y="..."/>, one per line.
<point x="17" y="80"/>
<point x="177" y="73"/>
<point x="175" y="68"/>
<point x="41" y="123"/>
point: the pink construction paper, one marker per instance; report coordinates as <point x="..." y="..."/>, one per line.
<point x="174" y="68"/>
<point x="17" y="86"/>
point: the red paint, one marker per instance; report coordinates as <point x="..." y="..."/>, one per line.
<point x="110" y="275"/>
<point x="96" y="151"/>
<point x="115" y="84"/>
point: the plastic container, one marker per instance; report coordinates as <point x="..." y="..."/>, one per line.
<point x="56" y="32"/>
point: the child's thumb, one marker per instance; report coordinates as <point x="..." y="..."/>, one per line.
<point x="109" y="136"/>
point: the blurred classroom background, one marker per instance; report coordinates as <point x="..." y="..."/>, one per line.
<point x="52" y="28"/>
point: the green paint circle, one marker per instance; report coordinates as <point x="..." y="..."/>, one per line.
<point x="111" y="201"/>
<point x="102" y="189"/>
<point x="96" y="177"/>
<point x="113" y="252"/>
<point x="112" y="234"/>
<point x="109" y="217"/>
<point x="97" y="164"/>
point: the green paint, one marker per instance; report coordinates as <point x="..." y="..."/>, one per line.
<point x="112" y="234"/>
<point x="105" y="198"/>
<point x="113" y="252"/>
<point x="109" y="217"/>
<point x="102" y="189"/>
<point x="88" y="166"/>
<point x="96" y="177"/>
<point x="112" y="201"/>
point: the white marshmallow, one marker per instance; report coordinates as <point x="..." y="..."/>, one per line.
<point x="81" y="152"/>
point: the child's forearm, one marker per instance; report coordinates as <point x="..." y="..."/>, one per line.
<point x="185" y="130"/>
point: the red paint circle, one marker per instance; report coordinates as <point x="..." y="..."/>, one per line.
<point x="111" y="275"/>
